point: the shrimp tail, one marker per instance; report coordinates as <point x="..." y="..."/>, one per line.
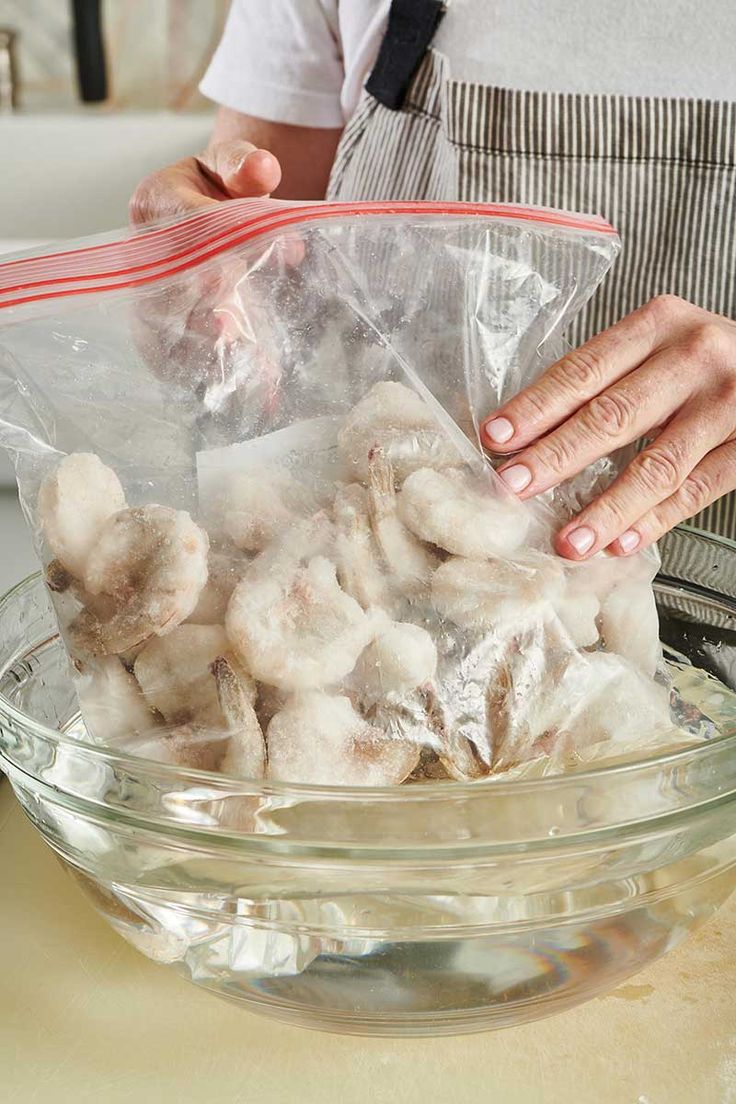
<point x="246" y="753"/>
<point x="458" y="755"/>
<point x="233" y="700"/>
<point x="382" y="484"/>
<point x="129" y="628"/>
<point x="58" y="579"/>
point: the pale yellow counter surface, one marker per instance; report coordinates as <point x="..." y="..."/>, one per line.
<point x="83" y="1018"/>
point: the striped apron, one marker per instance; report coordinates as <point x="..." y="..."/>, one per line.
<point x="662" y="171"/>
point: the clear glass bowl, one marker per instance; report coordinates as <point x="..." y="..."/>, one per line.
<point x="425" y="909"/>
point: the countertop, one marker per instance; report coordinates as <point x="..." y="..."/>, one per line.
<point x="84" y="1018"/>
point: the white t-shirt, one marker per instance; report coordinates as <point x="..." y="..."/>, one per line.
<point x="305" y="61"/>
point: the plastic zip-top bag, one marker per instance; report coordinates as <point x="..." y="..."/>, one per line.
<point x="247" y="446"/>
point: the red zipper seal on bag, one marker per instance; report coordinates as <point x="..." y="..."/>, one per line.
<point x="152" y="255"/>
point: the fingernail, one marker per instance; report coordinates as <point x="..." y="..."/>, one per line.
<point x="246" y="157"/>
<point x="628" y="541"/>
<point x="581" y="539"/>
<point x="517" y="477"/>
<point x="499" y="430"/>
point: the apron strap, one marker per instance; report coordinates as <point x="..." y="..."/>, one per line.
<point x="411" y="27"/>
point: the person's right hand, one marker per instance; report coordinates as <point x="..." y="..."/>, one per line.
<point x="230" y="169"/>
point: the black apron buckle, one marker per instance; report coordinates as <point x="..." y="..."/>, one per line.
<point x="411" y="27"/>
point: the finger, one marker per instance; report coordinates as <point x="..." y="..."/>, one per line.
<point x="177" y="190"/>
<point x="240" y="169"/>
<point x="626" y="411"/>
<point x="653" y="476"/>
<point x="708" y="481"/>
<point x="583" y="373"/>
<point x="194" y="183"/>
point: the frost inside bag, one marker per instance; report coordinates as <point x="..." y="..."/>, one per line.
<point x="247" y="446"/>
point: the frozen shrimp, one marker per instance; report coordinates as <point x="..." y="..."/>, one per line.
<point x="293" y="625"/>
<point x="578" y="615"/>
<point x="321" y="739"/>
<point x="74" y="502"/>
<point x="588" y="586"/>
<point x="151" y="561"/>
<point x="227" y="738"/>
<point x="112" y="704"/>
<point x="604" y="697"/>
<point x="62" y="582"/>
<point x="630" y="625"/>
<point x="258" y="504"/>
<point x="357" y="556"/>
<point x="554" y="707"/>
<point x="500" y="594"/>
<point x="603" y="572"/>
<point x="190" y="746"/>
<point x="397" y="421"/>
<point x="176" y="677"/>
<point x="402" y="657"/>
<point x="520" y="687"/>
<point x="409" y="562"/>
<point x="226" y="566"/>
<point x="71" y="594"/>
<point x="459" y="512"/>
<point x="416" y="718"/>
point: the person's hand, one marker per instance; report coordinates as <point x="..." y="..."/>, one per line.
<point x="191" y="334"/>
<point x="667" y="369"/>
<point x="230" y="169"/>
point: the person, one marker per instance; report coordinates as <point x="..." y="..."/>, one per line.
<point x="619" y="108"/>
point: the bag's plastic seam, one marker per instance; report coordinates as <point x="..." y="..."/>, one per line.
<point x="291" y="216"/>
<point x="272" y="219"/>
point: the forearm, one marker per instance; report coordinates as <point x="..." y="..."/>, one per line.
<point x="305" y="154"/>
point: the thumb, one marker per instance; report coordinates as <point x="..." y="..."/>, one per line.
<point x="238" y="169"/>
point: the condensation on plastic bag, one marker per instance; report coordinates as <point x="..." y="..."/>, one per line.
<point x="248" y="448"/>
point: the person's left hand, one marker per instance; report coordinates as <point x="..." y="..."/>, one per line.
<point x="667" y="369"/>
